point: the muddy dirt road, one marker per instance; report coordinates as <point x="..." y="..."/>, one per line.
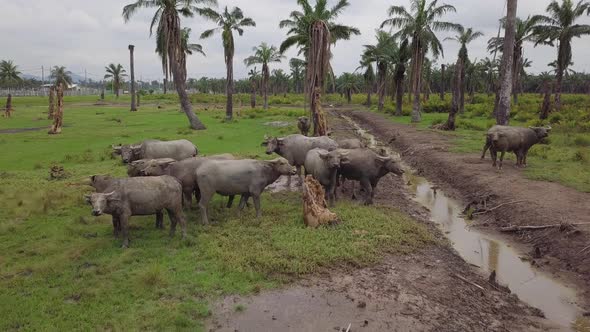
<point x="431" y="290"/>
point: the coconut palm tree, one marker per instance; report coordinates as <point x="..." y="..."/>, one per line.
<point x="264" y="55"/>
<point x="383" y="54"/>
<point x="525" y="32"/>
<point x="464" y="37"/>
<point x="227" y="22"/>
<point x="502" y="111"/>
<point x="560" y="26"/>
<point x="314" y="30"/>
<point x="115" y="73"/>
<point x="9" y="72"/>
<point x="420" y="25"/>
<point x="297" y="73"/>
<point x="59" y="74"/>
<point x="166" y="21"/>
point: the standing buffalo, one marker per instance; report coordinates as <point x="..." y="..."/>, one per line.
<point x="323" y="165"/>
<point x="238" y="177"/>
<point x="368" y="168"/>
<point x="135" y="167"/>
<point x="139" y="197"/>
<point x="294" y="148"/>
<point x="304" y="125"/>
<point x="152" y="149"/>
<point x="185" y="171"/>
<point x="513" y="139"/>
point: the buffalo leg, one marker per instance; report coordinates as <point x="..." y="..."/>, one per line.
<point x="124" y="219"/>
<point x="187" y="198"/>
<point x="524" y="154"/>
<point x="485" y="149"/>
<point x="501" y="159"/>
<point x="177" y="216"/>
<point x="116" y="226"/>
<point x="159" y="220"/>
<point x="243" y="201"/>
<point x="494" y="154"/>
<point x="230" y="201"/>
<point x="203" y="204"/>
<point x="256" y="199"/>
<point x="299" y="175"/>
<point x="366" y="186"/>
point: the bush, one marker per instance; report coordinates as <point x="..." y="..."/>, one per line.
<point x="581" y="140"/>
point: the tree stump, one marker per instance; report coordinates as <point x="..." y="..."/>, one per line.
<point x="59" y="112"/>
<point x="546" y="106"/>
<point x="138" y="99"/>
<point x="8" y="111"/>
<point x="51" y="111"/>
<point x="315" y="209"/>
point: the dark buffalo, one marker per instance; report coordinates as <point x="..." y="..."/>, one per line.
<point x="513" y="139"/>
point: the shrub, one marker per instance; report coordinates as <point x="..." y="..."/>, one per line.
<point x="581" y="140"/>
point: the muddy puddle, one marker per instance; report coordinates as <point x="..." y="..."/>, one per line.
<point x="491" y="253"/>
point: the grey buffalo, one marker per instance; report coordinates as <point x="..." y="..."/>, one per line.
<point x="513" y="139"/>
<point x="245" y="177"/>
<point x="304" y="125"/>
<point x="368" y="168"/>
<point x="134" y="168"/>
<point x="139" y="197"/>
<point x="294" y="148"/>
<point x="323" y="165"/>
<point x="184" y="171"/>
<point x="351" y="143"/>
<point x="151" y="149"/>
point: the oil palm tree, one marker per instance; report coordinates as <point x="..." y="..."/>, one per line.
<point x="383" y="54"/>
<point x="348" y="85"/>
<point x="400" y="60"/>
<point x="115" y="73"/>
<point x="525" y="32"/>
<point x="280" y="81"/>
<point x="421" y="25"/>
<point x="502" y="105"/>
<point x="314" y="30"/>
<point x="264" y="55"/>
<point x="166" y="21"/>
<point x="368" y="77"/>
<point x="227" y="22"/>
<point x="9" y="72"/>
<point x="60" y="75"/>
<point x="297" y="73"/>
<point x="560" y="26"/>
<point x="254" y="78"/>
<point x="463" y="37"/>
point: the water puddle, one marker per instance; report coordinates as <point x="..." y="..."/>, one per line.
<point x="492" y="253"/>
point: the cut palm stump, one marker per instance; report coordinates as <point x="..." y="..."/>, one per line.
<point x="315" y="209"/>
<point x="58" y="112"/>
<point x="8" y="110"/>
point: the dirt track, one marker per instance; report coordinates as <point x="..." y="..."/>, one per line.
<point x="419" y="292"/>
<point x="469" y="178"/>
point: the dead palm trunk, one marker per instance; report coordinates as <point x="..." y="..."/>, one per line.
<point x="318" y="62"/>
<point x="51" y="111"/>
<point x="132" y="89"/>
<point x="8" y="110"/>
<point x="59" y="111"/>
<point x="503" y="112"/>
<point x="229" y="88"/>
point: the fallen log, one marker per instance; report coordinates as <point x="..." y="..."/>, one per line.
<point x="467" y="281"/>
<point x="497" y="207"/>
<point x="534" y="228"/>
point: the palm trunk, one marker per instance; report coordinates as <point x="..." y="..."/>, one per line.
<point x="382" y="71"/>
<point x="369" y="97"/>
<point x="561" y="66"/>
<point x="253" y="94"/>
<point x="265" y="78"/>
<point x="165" y="85"/>
<point x="546" y="107"/>
<point x="59" y="111"/>
<point x="503" y="112"/>
<point x="442" y="82"/>
<point x="516" y="73"/>
<point x="229" y="88"/>
<point x="399" y="96"/>
<point x="462" y="88"/>
<point x="417" y="70"/>
<point x="132" y="89"/>
<point x="51" y="111"/>
<point x="456" y="100"/>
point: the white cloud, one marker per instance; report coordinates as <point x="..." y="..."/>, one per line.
<point x="87" y="35"/>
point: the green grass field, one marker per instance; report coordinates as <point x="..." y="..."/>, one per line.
<point x="61" y="269"/>
<point x="563" y="158"/>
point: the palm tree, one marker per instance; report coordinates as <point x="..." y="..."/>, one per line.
<point x="348" y="85"/>
<point x="280" y="81"/>
<point x="264" y="55"/>
<point x="9" y="72"/>
<point x="368" y="78"/>
<point x="185" y="44"/>
<point x="227" y="22"/>
<point x="502" y="112"/>
<point x="420" y="25"/>
<point x="313" y="30"/>
<point x="297" y="73"/>
<point x="166" y="20"/>
<point x="524" y="33"/>
<point x="383" y="54"/>
<point x="464" y="37"/>
<point x="116" y="73"/>
<point x="560" y="26"/>
<point x="490" y="67"/>
<point x="59" y="74"/>
<point x="400" y="60"/>
<point x="254" y="78"/>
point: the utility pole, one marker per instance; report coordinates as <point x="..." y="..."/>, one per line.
<point x="85" y="77"/>
<point x="42" y="76"/>
<point x="132" y="89"/>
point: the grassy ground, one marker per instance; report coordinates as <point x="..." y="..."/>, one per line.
<point x="563" y="158"/>
<point x="61" y="269"/>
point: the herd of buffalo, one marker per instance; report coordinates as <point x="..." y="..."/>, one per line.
<point x="164" y="175"/>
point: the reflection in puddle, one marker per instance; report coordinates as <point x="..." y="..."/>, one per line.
<point x="491" y="253"/>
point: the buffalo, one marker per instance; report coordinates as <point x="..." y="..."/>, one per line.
<point x="513" y="139"/>
<point x="323" y="165"/>
<point x="152" y="149"/>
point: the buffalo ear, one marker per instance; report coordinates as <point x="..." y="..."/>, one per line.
<point x="280" y="141"/>
<point x="93" y="178"/>
<point x="87" y="199"/>
<point x="265" y="143"/>
<point x="112" y="196"/>
<point x="324" y="155"/>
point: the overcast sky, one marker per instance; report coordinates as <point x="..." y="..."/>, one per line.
<point x="87" y="35"/>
